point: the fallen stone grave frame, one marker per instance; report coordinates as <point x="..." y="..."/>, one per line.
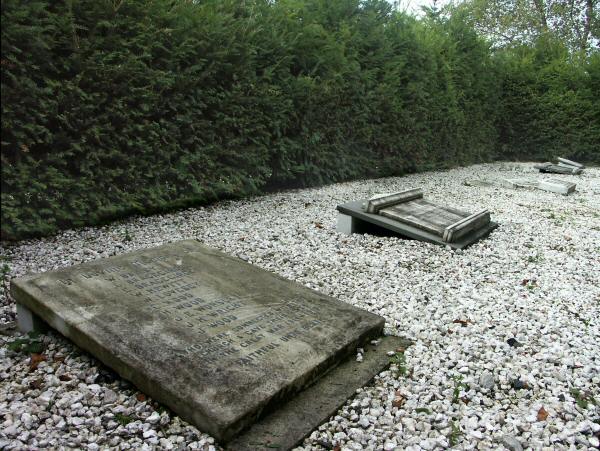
<point x="569" y="163"/>
<point x="253" y="359"/>
<point x="409" y="215"/>
<point x="552" y="185"/>
<point x="564" y="166"/>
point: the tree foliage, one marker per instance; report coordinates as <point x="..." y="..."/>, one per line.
<point x="546" y="56"/>
<point x="575" y="23"/>
<point x="550" y="104"/>
<point x="113" y="107"/>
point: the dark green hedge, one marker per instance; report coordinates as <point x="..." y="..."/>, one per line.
<point x="129" y="106"/>
<point x="550" y="104"/>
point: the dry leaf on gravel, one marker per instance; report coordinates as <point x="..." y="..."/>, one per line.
<point x="35" y="360"/>
<point x="399" y="399"/>
<point x="36" y="384"/>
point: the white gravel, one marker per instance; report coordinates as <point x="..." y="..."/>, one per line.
<point x="507" y="332"/>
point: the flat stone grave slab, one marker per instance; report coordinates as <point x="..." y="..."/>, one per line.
<point x="217" y="340"/>
<point x="408" y="214"/>
<point x="292" y="422"/>
<point x="478" y="182"/>
<point x="519" y="183"/>
<point x="552" y="185"/>
<point x="557" y="186"/>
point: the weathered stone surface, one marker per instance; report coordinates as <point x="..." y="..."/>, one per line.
<point x="27" y="321"/>
<point x="478" y="182"/>
<point x="410" y="208"/>
<point x="556" y="169"/>
<point x="466" y="225"/>
<point x="288" y="425"/>
<point x="557" y="186"/>
<point x="424" y="215"/>
<point x="380" y="201"/>
<point x="217" y="340"/>
<point x="552" y="185"/>
<point x="426" y="222"/>
<point x="570" y="163"/>
<point x="345" y="224"/>
<point x="519" y="183"/>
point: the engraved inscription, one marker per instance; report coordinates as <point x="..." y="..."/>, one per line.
<point x="226" y="327"/>
<point x="214" y="338"/>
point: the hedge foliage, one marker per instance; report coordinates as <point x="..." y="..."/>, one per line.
<point x="113" y="107"/>
<point x="550" y="104"/>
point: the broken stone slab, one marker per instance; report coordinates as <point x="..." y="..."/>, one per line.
<point x="556" y="169"/>
<point x="557" y="186"/>
<point x="552" y="185"/>
<point x="217" y="340"/>
<point x="564" y="161"/>
<point x="478" y="182"/>
<point x="519" y="183"/>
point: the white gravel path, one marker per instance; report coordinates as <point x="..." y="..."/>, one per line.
<point x="507" y="332"/>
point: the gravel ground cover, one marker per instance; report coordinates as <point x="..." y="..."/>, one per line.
<point x="506" y="334"/>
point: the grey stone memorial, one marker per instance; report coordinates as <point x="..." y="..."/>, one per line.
<point x="408" y="214"/>
<point x="552" y="185"/>
<point x="519" y="183"/>
<point x="558" y="169"/>
<point x="478" y="182"/>
<point x="569" y="163"/>
<point x="557" y="186"/>
<point x="219" y="341"/>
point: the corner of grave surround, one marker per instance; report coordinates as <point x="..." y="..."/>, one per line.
<point x="19" y="290"/>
